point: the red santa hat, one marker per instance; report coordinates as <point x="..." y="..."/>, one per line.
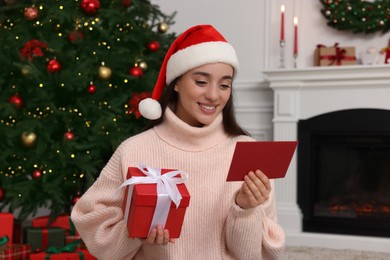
<point x="199" y="45"/>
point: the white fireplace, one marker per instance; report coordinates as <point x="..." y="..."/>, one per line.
<point x="305" y="93"/>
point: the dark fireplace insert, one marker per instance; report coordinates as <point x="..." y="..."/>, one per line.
<point x="344" y="172"/>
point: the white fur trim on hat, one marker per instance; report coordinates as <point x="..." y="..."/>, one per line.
<point x="150" y="108"/>
<point x="198" y="55"/>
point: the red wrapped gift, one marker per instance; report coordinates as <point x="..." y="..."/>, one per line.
<point x="81" y="254"/>
<point x="154" y="196"/>
<point x="15" y="252"/>
<point x="62" y="221"/>
<point x="6" y="226"/>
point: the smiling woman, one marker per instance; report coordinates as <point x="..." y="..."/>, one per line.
<point x="357" y="16"/>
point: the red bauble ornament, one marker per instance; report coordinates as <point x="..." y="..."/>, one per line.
<point x="90" y="7"/>
<point x="30" y="13"/>
<point x="36" y="174"/>
<point x="69" y="135"/>
<point x="76" y="35"/>
<point x="2" y="194"/>
<point x="153" y="46"/>
<point x="91" y="89"/>
<point x="136" y="72"/>
<point x="76" y="198"/>
<point x="16" y="100"/>
<point x="126" y="3"/>
<point x="53" y="66"/>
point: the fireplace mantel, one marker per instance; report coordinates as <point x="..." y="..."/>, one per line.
<point x="305" y="93"/>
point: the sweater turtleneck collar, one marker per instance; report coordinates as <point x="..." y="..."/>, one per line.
<point x="189" y="138"/>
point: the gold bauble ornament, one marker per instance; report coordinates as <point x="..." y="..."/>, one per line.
<point x="163" y="27"/>
<point x="26" y="70"/>
<point x="29" y="139"/>
<point x="105" y="72"/>
<point x="143" y="65"/>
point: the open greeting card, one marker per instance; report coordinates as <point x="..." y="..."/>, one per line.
<point x="272" y="158"/>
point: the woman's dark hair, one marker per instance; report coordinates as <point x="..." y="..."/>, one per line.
<point x="170" y="98"/>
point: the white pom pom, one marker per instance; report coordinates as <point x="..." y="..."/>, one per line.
<point x="150" y="108"/>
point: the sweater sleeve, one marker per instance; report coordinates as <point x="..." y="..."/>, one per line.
<point x="98" y="216"/>
<point x="254" y="233"/>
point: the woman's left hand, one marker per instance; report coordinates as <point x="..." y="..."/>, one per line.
<point x="254" y="191"/>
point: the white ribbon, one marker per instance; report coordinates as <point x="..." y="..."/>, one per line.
<point x="167" y="191"/>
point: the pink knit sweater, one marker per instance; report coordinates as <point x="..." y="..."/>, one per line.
<point x="214" y="226"/>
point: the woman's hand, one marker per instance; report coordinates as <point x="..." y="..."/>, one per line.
<point x="254" y="191"/>
<point x="158" y="236"/>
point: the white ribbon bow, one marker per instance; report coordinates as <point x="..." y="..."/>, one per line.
<point x="167" y="191"/>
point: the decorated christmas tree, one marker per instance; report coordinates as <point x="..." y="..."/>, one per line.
<point x="72" y="74"/>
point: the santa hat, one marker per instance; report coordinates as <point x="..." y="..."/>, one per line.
<point x="199" y="45"/>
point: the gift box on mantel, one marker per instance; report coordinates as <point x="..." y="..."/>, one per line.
<point x="334" y="55"/>
<point x="154" y="196"/>
<point x="7" y="226"/>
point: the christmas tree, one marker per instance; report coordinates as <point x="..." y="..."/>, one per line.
<point x="72" y="74"/>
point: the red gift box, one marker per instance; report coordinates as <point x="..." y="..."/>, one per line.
<point x="78" y="254"/>
<point x="15" y="252"/>
<point x="144" y="203"/>
<point x="62" y="221"/>
<point x="6" y="226"/>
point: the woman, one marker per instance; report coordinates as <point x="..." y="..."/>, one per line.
<point x="196" y="133"/>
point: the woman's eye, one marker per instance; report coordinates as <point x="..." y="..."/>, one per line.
<point x="224" y="86"/>
<point x="200" y="82"/>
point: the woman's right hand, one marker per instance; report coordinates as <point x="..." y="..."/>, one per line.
<point x="158" y="236"/>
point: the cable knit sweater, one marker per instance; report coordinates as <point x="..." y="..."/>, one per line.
<point x="215" y="227"/>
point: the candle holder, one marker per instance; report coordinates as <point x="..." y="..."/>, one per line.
<point x="282" y="44"/>
<point x="295" y="60"/>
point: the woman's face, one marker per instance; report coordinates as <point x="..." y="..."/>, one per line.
<point x="203" y="93"/>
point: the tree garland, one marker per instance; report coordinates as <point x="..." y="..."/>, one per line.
<point x="357" y="16"/>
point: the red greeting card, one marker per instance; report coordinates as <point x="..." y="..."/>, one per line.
<point x="272" y="158"/>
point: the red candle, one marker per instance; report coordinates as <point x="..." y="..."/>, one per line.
<point x="295" y="35"/>
<point x="282" y="8"/>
